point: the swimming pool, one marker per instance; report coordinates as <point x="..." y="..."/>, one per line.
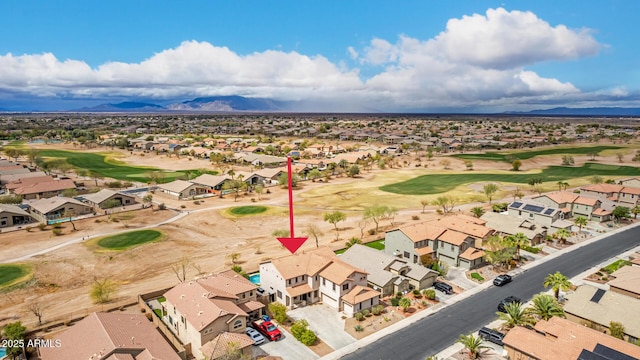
<point x="255" y="278"/>
<point x="3" y="352"/>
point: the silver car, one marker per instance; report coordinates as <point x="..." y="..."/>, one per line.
<point x="255" y="336"/>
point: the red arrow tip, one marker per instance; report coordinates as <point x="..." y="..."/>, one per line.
<point x="292" y="244"/>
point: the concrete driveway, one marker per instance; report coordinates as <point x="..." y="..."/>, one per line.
<point x="288" y="348"/>
<point x="326" y="322"/>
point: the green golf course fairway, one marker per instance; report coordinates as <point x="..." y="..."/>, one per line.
<point x="528" y="154"/>
<point x="247" y="210"/>
<point x="441" y="183"/>
<point x="12" y="274"/>
<point x="129" y="239"/>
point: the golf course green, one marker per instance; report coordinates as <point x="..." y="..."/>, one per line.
<point x="129" y="239"/>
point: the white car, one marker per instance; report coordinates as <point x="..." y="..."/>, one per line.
<point x="255" y="336"/>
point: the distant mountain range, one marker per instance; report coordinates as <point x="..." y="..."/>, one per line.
<point x="594" y="111"/>
<point x="206" y="104"/>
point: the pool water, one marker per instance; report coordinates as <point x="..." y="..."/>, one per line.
<point x="3" y="352"/>
<point x="255" y="278"/>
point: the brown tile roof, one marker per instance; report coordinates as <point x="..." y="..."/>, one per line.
<point x="603" y="188"/>
<point x="45" y="186"/>
<point x="424" y="251"/>
<point x="359" y="294"/>
<point x="422" y="231"/>
<point x="105" y="333"/>
<point x="28" y="180"/>
<point x="562" y="197"/>
<point x="472" y="254"/>
<point x="314" y="262"/>
<point x="299" y="290"/>
<point x="627" y="278"/>
<point x="466" y="224"/>
<point x="586" y="201"/>
<point x="630" y="190"/>
<point x="223" y="343"/>
<point x="601" y="211"/>
<point x="339" y="271"/>
<point x="453" y="237"/>
<point x="566" y="340"/>
<point x="250" y="306"/>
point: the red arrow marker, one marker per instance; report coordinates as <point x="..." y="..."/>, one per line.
<point x="292" y="243"/>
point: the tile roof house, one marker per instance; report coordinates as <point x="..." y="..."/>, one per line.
<point x="56" y="208"/>
<point x="558" y="338"/>
<point x="599" y="307"/>
<point x="626" y="281"/>
<point x="40" y="188"/>
<point x="575" y="205"/>
<point x="226" y="344"/>
<point x="445" y="239"/>
<point x="11" y="215"/>
<point x="103" y="197"/>
<point x="213" y="183"/>
<point x="201" y="309"/>
<point x="317" y="275"/>
<point x="388" y="273"/>
<point x="110" y="336"/>
<point x="539" y="213"/>
<point x="509" y="225"/>
<point x="181" y="189"/>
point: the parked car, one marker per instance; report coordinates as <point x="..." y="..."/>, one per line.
<point x="491" y="335"/>
<point x="502" y="279"/>
<point x="444" y="287"/>
<point x="508" y="300"/>
<point x="267" y="329"/>
<point x="255" y="336"/>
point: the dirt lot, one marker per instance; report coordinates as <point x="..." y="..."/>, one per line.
<point x="63" y="277"/>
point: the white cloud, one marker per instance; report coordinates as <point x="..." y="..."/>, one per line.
<point x="477" y="60"/>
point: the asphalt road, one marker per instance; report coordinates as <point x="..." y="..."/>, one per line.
<point x="433" y="334"/>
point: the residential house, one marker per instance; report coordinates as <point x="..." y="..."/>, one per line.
<point x="573" y="205"/>
<point x="539" y="213"/>
<point x="631" y="182"/>
<point x="12" y="215"/>
<point x="40" y="188"/>
<point x="227" y="343"/>
<point x="9" y="178"/>
<point x="199" y="310"/>
<point x="388" y="274"/>
<point x="415" y="242"/>
<point x="510" y="225"/>
<point x="270" y="175"/>
<point x="626" y="281"/>
<point x="51" y="210"/>
<point x="212" y="183"/>
<point x="469" y="225"/>
<point x="597" y="308"/>
<point x="113" y="335"/>
<point x="629" y="196"/>
<point x="108" y="198"/>
<point x="317" y="275"/>
<point x="559" y="338"/>
<point x="181" y="189"/>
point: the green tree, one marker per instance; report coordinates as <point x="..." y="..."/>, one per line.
<point x="404" y="303"/>
<point x="580" y="221"/>
<point x="424" y="204"/>
<point x="557" y="282"/>
<point x="70" y="193"/>
<point x="446" y="202"/>
<point x="314" y="174"/>
<point x="147" y="199"/>
<point x="235" y="186"/>
<point x="375" y="213"/>
<point x="468" y="164"/>
<point x="596" y="179"/>
<point x="334" y="218"/>
<point x="497" y="251"/>
<point x="477" y="211"/>
<point x="616" y="330"/>
<point x="563" y="235"/>
<point x="234" y="257"/>
<point x="517" y="241"/>
<point x="621" y="212"/>
<point x="490" y="190"/>
<point x="472" y="344"/>
<point x="635" y="211"/>
<point x="545" y="306"/>
<point x="258" y="189"/>
<point x="278" y="312"/>
<point x="516" y="164"/>
<point x="102" y="290"/>
<point x="354" y="170"/>
<point x="283" y="180"/>
<point x="14" y="331"/>
<point x="352" y="241"/>
<point x="515" y="315"/>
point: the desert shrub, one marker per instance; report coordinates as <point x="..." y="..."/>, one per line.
<point x="359" y="316"/>
<point x="162" y="206"/>
<point x="29" y="228"/>
<point x="300" y="331"/>
<point x="358" y="328"/>
<point x="377" y="310"/>
<point x="366" y="312"/>
<point x="42" y="226"/>
<point x="196" y="202"/>
<point x="56" y="231"/>
<point x="183" y="206"/>
<point x="394" y="301"/>
<point x="477" y="276"/>
<point x="371" y="231"/>
<point x="415" y="217"/>
<point x="429" y="294"/>
<point x="416" y="292"/>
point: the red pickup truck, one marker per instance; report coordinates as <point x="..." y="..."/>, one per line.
<point x="268" y="329"/>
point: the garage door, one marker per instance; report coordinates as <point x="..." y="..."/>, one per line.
<point x="329" y="301"/>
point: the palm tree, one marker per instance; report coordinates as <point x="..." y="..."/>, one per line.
<point x="518" y="240"/>
<point x="404" y="303"/>
<point x="560" y="185"/>
<point x="580" y="221"/>
<point x="477" y="211"/>
<point x="557" y="282"/>
<point x="516" y="315"/>
<point x="563" y="234"/>
<point x="472" y="344"/>
<point x="545" y="307"/>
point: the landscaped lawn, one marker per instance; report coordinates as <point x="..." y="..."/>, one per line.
<point x="441" y="183"/>
<point x="11" y="274"/>
<point x="101" y="164"/>
<point x="248" y="210"/>
<point x="614" y="266"/>
<point x="524" y="155"/>
<point x="378" y="244"/>
<point x="129" y="239"/>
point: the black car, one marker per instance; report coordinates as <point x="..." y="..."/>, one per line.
<point x="444" y="287"/>
<point x="502" y="279"/>
<point x="491" y="335"/>
<point x="508" y="300"/>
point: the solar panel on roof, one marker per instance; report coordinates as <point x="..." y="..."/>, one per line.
<point x="549" y="211"/>
<point x="516" y="204"/>
<point x="533" y="208"/>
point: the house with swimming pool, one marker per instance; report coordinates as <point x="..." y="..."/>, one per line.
<point x="317" y="276"/>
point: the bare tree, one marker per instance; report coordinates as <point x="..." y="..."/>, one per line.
<point x="314" y="231"/>
<point x="362" y="224"/>
<point x="181" y="267"/>
<point x="37" y="308"/>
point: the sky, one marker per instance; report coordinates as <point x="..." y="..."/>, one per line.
<point x="325" y="56"/>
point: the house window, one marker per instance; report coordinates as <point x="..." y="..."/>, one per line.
<point x="289" y="282"/>
<point x="406" y="254"/>
<point x="345" y="286"/>
<point x="279" y="294"/>
<point x="415" y="258"/>
<point x="441" y="245"/>
<point x="333" y="287"/>
<point x="324" y="282"/>
<point x="451" y="247"/>
<point x="251" y="293"/>
<point x="237" y="324"/>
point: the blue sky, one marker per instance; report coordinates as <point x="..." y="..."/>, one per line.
<point x="404" y="56"/>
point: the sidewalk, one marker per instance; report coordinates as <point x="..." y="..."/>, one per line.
<point x="454" y="348"/>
